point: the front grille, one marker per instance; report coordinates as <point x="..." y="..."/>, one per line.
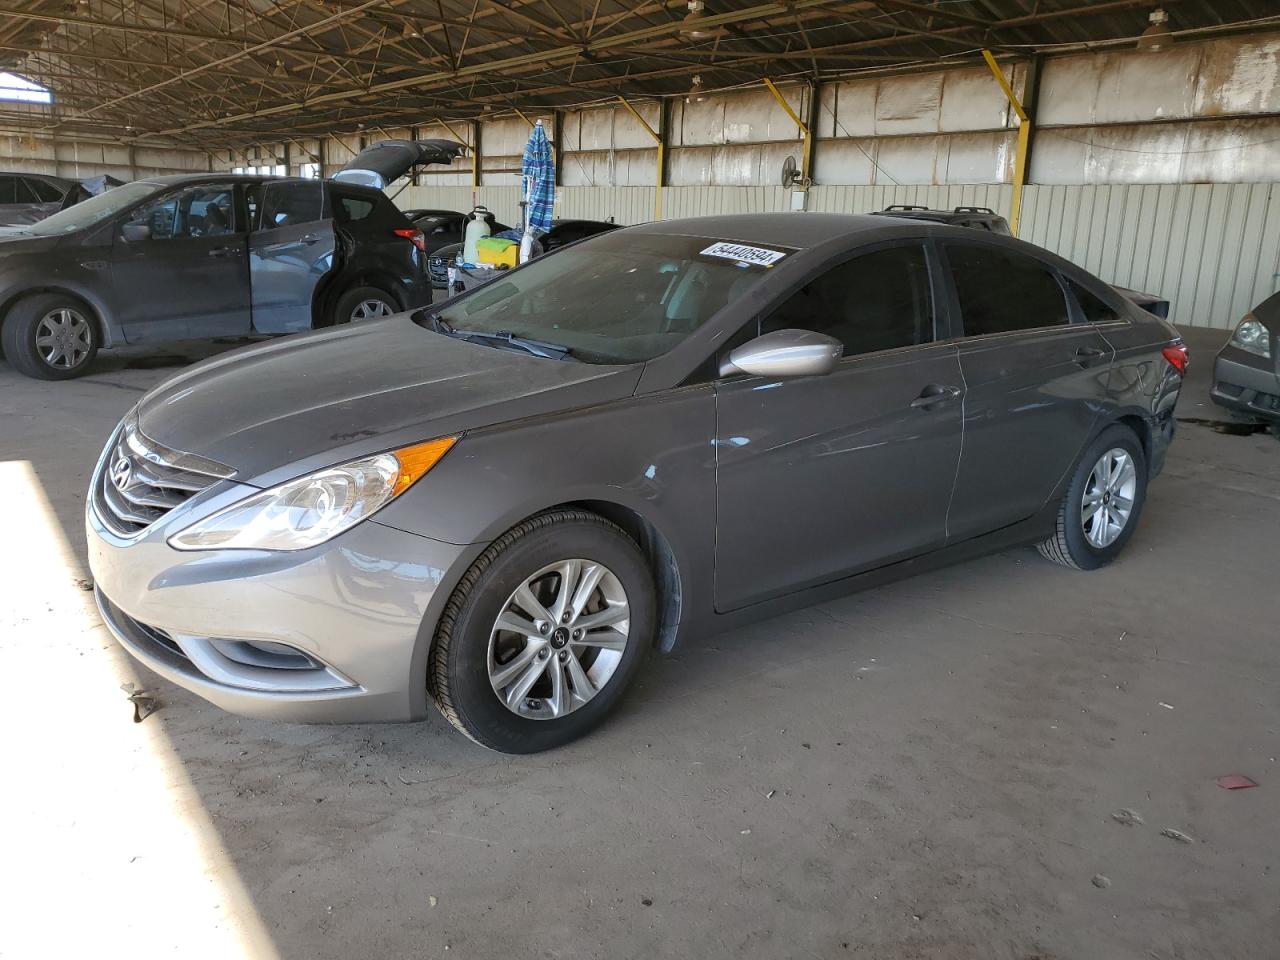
<point x="141" y="480"/>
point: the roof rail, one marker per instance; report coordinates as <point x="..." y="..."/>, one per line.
<point x="974" y="210"/>
<point x="905" y="206"/>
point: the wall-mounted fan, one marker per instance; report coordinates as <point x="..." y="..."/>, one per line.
<point x="791" y="175"/>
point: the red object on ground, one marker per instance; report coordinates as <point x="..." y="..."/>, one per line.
<point x="1235" y="781"/>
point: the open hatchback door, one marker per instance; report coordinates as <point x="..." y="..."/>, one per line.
<point x="388" y="160"/>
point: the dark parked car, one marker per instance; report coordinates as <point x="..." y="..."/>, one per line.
<point x="190" y="257"/>
<point x="562" y="233"/>
<point x="984" y="218"/>
<point x="1246" y="373"/>
<point x="211" y="255"/>
<point x="444" y="229"/>
<point x="649" y="436"/>
<point x="28" y="197"/>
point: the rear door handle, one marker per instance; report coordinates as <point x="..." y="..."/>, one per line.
<point x="935" y="393"/>
<point x="1086" y="355"/>
<point x="221" y="251"/>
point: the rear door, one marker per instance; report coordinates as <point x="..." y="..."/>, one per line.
<point x="290" y="249"/>
<point x="822" y="477"/>
<point x="188" y="278"/>
<point x="1032" y="377"/>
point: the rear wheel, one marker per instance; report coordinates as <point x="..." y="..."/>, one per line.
<point x="544" y="634"/>
<point x="1101" y="507"/>
<point x="50" y="336"/>
<point x="364" y="303"/>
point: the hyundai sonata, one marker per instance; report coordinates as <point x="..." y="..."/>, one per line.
<point x="504" y="505"/>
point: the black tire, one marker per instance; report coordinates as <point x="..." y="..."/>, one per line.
<point x="458" y="668"/>
<point x="346" y="304"/>
<point x="1069" y="546"/>
<point x="24" y="323"/>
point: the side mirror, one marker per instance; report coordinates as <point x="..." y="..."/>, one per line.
<point x="135" y="232"/>
<point x="785" y="353"/>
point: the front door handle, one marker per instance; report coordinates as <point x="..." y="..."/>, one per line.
<point x="1086" y="355"/>
<point x="935" y="393"/>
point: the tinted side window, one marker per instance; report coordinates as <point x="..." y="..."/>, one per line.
<point x="1094" y="310"/>
<point x="8" y="189"/>
<point x="877" y="301"/>
<point x="1001" y="291"/>
<point x="289" y="204"/>
<point x="354" y="208"/>
<point x="46" y="192"/>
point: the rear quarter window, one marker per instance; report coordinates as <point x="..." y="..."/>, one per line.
<point x="354" y="208"/>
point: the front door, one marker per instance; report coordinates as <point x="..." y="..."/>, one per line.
<point x="1031" y="378"/>
<point x="184" y="271"/>
<point x="819" y="478"/>
<point x="290" y="250"/>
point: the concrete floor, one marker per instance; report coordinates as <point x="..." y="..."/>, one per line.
<point x="928" y="770"/>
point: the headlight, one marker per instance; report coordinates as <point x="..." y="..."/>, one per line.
<point x="1253" y="337"/>
<point x="315" y="508"/>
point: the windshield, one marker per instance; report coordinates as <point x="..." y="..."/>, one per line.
<point x="620" y="297"/>
<point x="94" y="210"/>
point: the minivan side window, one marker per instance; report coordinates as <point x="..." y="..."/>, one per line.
<point x="877" y="301"/>
<point x="1001" y="291"/>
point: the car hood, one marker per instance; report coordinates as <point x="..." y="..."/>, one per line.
<point x="13" y="239"/>
<point x="280" y="410"/>
<point x="388" y="160"/>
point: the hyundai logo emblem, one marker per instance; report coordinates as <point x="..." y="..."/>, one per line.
<point x="121" y="472"/>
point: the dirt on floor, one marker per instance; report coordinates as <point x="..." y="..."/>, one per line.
<point x="1003" y="759"/>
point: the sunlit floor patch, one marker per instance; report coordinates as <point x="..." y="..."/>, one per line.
<point x="109" y="851"/>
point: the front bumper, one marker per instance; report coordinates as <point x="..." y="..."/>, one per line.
<point x="362" y="608"/>
<point x="1246" y="383"/>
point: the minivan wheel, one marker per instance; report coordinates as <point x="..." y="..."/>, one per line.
<point x="363" y="303"/>
<point x="544" y="634"/>
<point x="1101" y="507"/>
<point x="50" y="336"/>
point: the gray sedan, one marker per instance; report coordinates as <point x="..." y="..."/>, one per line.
<point x="1246" y="372"/>
<point x="505" y="505"/>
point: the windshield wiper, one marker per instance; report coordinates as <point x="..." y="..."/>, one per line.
<point x="539" y="348"/>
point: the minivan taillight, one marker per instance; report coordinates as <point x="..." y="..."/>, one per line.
<point x="409" y="233"/>
<point x="1178" y="357"/>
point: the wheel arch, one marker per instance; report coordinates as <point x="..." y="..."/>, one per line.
<point x="668" y="582"/>
<point x="328" y="294"/>
<point x="99" y="316"/>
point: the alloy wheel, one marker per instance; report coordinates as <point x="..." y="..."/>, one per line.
<point x="369" y="310"/>
<point x="63" y="338"/>
<point x="1107" y="504"/>
<point x="559" y="639"/>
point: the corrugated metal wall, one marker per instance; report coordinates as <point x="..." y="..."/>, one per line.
<point x="1212" y="249"/>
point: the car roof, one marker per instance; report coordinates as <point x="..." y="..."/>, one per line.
<point x="63" y="182"/>
<point x="799" y="230"/>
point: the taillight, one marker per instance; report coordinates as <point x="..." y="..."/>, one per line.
<point x="1178" y="357"/>
<point x="415" y="236"/>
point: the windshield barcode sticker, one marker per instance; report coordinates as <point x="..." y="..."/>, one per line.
<point x="744" y="254"/>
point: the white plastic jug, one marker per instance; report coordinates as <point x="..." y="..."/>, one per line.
<point x="477" y="227"/>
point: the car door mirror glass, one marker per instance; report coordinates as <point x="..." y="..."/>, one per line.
<point x="785" y="353"/>
<point x="135" y="232"/>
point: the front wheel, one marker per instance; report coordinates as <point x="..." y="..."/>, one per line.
<point x="544" y="633"/>
<point x="363" y="303"/>
<point x="50" y="336"/>
<point x="1101" y="507"/>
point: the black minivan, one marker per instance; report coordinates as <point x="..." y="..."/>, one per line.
<point x="208" y="255"/>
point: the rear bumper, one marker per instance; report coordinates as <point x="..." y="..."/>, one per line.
<point x="1246" y="384"/>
